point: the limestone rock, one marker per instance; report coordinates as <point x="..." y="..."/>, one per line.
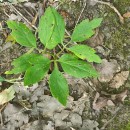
<point x="119" y="79"/>
<point x="107" y="70"/>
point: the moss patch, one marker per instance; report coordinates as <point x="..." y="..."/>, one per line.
<point x="119" y="34"/>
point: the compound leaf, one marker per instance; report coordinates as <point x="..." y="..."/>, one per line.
<point x="85" y="52"/>
<point x="22" y="34"/>
<point x="51" y="28"/>
<point x="58" y="86"/>
<point x="77" y="68"/>
<point x="85" y="29"/>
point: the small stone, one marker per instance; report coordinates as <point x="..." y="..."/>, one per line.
<point x="119" y="79"/>
<point x="76" y="120"/>
<point x="90" y="125"/>
<point x="60" y="119"/>
<point x="49" y="105"/>
<point x="107" y="70"/>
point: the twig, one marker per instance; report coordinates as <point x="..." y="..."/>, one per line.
<point x="61" y="2"/>
<point x="69" y="34"/>
<point x="6" y="13"/>
<point x="72" y="128"/>
<point x="6" y="4"/>
<point x="34" y="19"/>
<point x="85" y="3"/>
<point x="115" y="114"/>
<point x="27" y="12"/>
<point x="24" y="17"/>
<point x="1" y="119"/>
<point x="3" y="107"/>
<point x="112" y="7"/>
<point x="34" y="25"/>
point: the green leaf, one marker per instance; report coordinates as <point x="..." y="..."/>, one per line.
<point x="31" y="58"/>
<point x="20" y="64"/>
<point x="22" y="34"/>
<point x="77" y="68"/>
<point x="25" y="61"/>
<point x="51" y="28"/>
<point x="85" y="52"/>
<point x="7" y="95"/>
<point x="58" y="86"/>
<point x="85" y="29"/>
<point x="35" y="67"/>
<point x="2" y="79"/>
<point x="95" y="23"/>
<point x="35" y="73"/>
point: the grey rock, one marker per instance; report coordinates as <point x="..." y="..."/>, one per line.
<point x="22" y="91"/>
<point x="103" y="51"/>
<point x="75" y="119"/>
<point x="14" y="116"/>
<point x="119" y="79"/>
<point x="92" y="2"/>
<point x="79" y="105"/>
<point x="90" y="125"/>
<point x="65" y="120"/>
<point x="49" y="105"/>
<point x="38" y="125"/>
<point x="39" y="91"/>
<point x="107" y="70"/>
<point x="61" y="119"/>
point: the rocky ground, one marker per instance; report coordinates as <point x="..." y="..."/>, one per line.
<point x="93" y="104"/>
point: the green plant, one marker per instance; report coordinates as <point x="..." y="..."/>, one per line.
<point x="71" y="56"/>
<point x="127" y="127"/>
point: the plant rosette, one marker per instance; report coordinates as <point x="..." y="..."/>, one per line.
<point x="74" y="58"/>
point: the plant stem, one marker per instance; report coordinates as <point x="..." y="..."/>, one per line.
<point x="44" y="50"/>
<point x="64" y="47"/>
<point x="39" y="50"/>
<point x="31" y="50"/>
<point x="12" y="80"/>
<point x="55" y="64"/>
